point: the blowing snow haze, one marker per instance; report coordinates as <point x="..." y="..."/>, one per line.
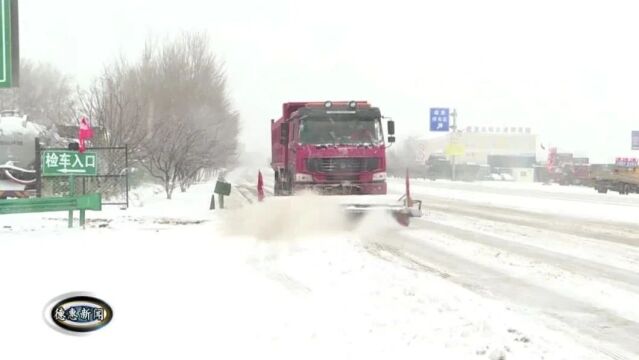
<point x="569" y="72"/>
<point x="243" y="194"/>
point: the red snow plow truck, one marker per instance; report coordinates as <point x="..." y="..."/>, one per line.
<point x="335" y="148"/>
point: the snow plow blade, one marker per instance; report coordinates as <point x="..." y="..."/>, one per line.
<point x="401" y="213"/>
<point x="405" y="208"/>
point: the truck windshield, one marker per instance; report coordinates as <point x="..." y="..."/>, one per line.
<point x="340" y="129"/>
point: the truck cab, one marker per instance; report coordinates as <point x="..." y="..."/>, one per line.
<point x="330" y="147"/>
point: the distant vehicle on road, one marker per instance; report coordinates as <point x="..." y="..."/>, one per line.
<point x="438" y="167"/>
<point x="622" y="178"/>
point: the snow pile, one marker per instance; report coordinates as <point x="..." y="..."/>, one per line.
<point x="148" y="192"/>
<point x="16" y="126"/>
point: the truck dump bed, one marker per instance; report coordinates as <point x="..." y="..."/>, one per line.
<point x="615" y="173"/>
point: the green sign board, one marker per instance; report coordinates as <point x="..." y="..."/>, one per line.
<point x="9" y="41"/>
<point x="68" y="163"/>
<point x="222" y="188"/>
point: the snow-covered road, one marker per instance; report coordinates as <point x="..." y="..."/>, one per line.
<point x="531" y="190"/>
<point x="484" y="274"/>
<point x="568" y="268"/>
<point x="566" y="256"/>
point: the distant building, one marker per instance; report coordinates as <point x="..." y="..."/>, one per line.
<point x="516" y="145"/>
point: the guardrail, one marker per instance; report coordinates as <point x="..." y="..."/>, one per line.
<point x="52" y="204"/>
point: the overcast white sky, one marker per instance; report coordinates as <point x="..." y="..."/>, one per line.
<point x="567" y="69"/>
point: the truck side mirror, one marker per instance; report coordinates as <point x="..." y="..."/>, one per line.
<point x="391" y="127"/>
<point x="391" y="139"/>
<point x="284" y="133"/>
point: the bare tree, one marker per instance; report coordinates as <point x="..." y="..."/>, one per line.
<point x="114" y="103"/>
<point x="170" y="107"/>
<point x="45" y="94"/>
<point x="195" y="129"/>
<point x="163" y="158"/>
<point x="117" y="111"/>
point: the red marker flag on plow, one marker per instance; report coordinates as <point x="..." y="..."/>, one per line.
<point x="409" y="201"/>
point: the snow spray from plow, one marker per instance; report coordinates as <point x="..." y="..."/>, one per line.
<point x="402" y="210"/>
<point x="311" y="214"/>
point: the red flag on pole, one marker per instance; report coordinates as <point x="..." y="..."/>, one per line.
<point x="84" y="132"/>
<point x="409" y="201"/>
<point x="260" y="186"/>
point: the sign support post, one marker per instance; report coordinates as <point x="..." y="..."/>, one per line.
<point x="222" y="189"/>
<point x="71" y="193"/>
<point x="453" y="114"/>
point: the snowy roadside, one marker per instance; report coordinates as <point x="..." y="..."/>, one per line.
<point x="315" y="298"/>
<point x="183" y="289"/>
<point x="520" y="187"/>
<point x="623" y="210"/>
<point x="149" y="209"/>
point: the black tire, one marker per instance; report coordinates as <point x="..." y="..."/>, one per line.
<point x="282" y="188"/>
<point x="288" y="185"/>
<point x="277" y="186"/>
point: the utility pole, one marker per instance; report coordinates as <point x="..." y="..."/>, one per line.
<point x="453" y="140"/>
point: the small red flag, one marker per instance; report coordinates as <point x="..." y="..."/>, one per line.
<point x="409" y="201"/>
<point x="84" y="133"/>
<point x="260" y="186"/>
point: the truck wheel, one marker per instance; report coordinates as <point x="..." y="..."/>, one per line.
<point x="283" y="184"/>
<point x="277" y="186"/>
<point x="602" y="190"/>
<point x="288" y="186"/>
<point x="626" y="189"/>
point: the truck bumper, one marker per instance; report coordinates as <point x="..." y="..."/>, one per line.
<point x="372" y="188"/>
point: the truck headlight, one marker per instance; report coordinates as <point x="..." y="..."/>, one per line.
<point x="380" y="176"/>
<point x="303" y="178"/>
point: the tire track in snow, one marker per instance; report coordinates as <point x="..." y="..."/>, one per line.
<point x="622" y="233"/>
<point x="583" y="318"/>
<point x="561" y="260"/>
<point x="594" y="198"/>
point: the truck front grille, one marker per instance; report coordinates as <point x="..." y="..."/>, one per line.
<point x="342" y="165"/>
<point x="351" y="178"/>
